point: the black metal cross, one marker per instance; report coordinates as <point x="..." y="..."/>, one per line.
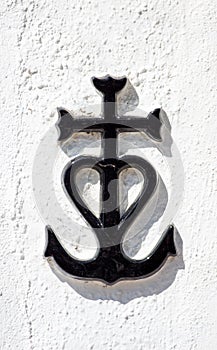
<point x="110" y="124"/>
<point x="110" y="263"/>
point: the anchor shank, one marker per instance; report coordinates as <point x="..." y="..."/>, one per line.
<point x="110" y="215"/>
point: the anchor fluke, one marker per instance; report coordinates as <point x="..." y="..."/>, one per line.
<point x="111" y="264"/>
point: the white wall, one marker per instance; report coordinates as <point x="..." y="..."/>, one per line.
<point x="49" y="51"/>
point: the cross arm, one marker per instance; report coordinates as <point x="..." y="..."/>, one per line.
<point x="151" y="124"/>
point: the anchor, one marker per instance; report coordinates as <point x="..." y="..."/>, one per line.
<point x="110" y="264"/>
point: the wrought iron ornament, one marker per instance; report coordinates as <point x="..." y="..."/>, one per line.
<point x="110" y="264"/>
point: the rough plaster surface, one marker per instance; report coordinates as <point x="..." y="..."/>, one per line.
<point x="49" y="50"/>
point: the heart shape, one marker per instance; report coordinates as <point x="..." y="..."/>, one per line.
<point x="103" y="167"/>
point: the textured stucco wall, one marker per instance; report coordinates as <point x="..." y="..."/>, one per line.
<point x="49" y="51"/>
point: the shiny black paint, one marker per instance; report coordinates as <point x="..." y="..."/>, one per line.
<point x="110" y="263"/>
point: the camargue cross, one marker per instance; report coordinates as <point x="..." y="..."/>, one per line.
<point x="110" y="263"/>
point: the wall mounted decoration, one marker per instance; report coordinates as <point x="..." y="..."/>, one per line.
<point x="110" y="262"/>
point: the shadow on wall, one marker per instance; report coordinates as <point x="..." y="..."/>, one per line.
<point x="125" y="291"/>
